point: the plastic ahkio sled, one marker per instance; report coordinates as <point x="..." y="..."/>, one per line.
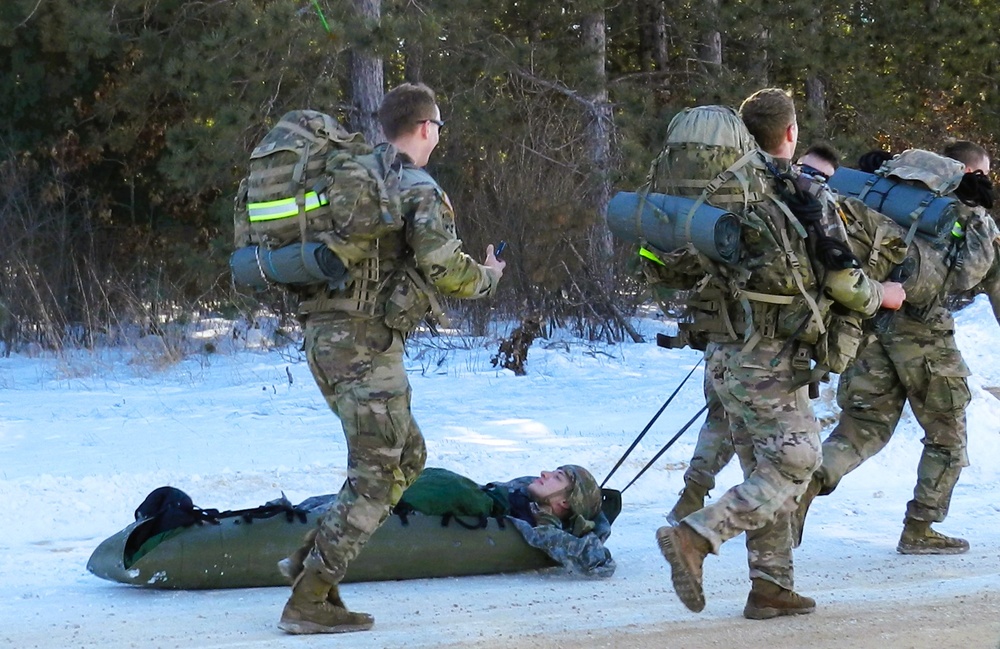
<point x="242" y="549"/>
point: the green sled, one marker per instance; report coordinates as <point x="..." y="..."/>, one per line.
<point x="240" y="552"/>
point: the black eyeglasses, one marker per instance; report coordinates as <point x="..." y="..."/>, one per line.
<point x="439" y="122"/>
<point x="812" y="171"/>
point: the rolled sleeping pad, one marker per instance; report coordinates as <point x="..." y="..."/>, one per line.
<point x="241" y="554"/>
<point x="668" y="223"/>
<point x="258" y="268"/>
<point x="899" y="200"/>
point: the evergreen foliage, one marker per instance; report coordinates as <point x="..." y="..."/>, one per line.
<point x="125" y="125"/>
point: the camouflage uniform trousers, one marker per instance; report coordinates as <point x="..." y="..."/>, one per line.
<point x="714" y="448"/>
<point x="358" y="366"/>
<point x="776" y="436"/>
<point x="912" y="362"/>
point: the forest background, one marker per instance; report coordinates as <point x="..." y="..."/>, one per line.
<point x="125" y="127"/>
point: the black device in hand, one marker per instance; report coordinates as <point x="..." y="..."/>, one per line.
<point x="499" y="249"/>
<point x="900" y="273"/>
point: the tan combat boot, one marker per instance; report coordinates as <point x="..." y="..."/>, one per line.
<point x="767" y="599"/>
<point x="685" y="550"/>
<point x="919" y="538"/>
<point x="692" y="499"/>
<point x="799" y="515"/>
<point x="316" y="607"/>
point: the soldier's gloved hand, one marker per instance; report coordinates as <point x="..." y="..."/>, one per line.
<point x="871" y="161"/>
<point x="807" y="208"/>
<point x="976" y="188"/>
<point x="835" y="255"/>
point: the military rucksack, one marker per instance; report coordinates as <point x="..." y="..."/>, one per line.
<point x="710" y="155"/>
<point x="958" y="251"/>
<point x="313" y="189"/>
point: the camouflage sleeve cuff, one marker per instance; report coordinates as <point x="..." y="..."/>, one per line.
<point x="854" y="290"/>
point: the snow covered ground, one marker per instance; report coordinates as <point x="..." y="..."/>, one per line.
<point x="84" y="437"/>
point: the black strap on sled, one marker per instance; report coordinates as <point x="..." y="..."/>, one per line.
<point x="667" y="445"/>
<point x="650" y="425"/>
<point x="404" y="510"/>
<point x="248" y="516"/>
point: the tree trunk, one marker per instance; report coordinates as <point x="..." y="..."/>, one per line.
<point x="759" y="64"/>
<point x="710" y="44"/>
<point x="654" y="35"/>
<point x="816" y="103"/>
<point x="367" y="81"/>
<point x="815" y="86"/>
<point x="598" y="131"/>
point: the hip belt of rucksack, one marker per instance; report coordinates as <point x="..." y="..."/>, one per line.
<point x="361" y="298"/>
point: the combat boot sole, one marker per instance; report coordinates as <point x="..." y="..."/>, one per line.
<point x="909" y="548"/>
<point x="685" y="566"/>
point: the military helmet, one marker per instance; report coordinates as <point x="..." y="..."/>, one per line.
<point x="585" y="495"/>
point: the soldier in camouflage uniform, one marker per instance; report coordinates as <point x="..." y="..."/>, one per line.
<point x="774" y="430"/>
<point x="354" y="344"/>
<point x="714" y="448"/>
<point x="917" y="360"/>
<point x="568" y="498"/>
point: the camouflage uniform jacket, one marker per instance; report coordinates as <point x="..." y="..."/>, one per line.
<point x="777" y="263"/>
<point x="387" y="286"/>
<point x="776" y="271"/>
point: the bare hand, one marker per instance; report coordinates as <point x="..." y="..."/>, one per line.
<point x="492" y="261"/>
<point x="893" y="295"/>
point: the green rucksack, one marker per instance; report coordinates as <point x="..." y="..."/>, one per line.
<point x="440" y="492"/>
<point x="315" y="189"/>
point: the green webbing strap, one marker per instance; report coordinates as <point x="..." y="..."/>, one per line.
<point x="799" y="228"/>
<point x="868" y="186"/>
<point x="638" y="214"/>
<point x="797" y="276"/>
<point x="298" y="130"/>
<point x="283" y="171"/>
<point x="768" y="297"/>
<point x="422" y="285"/>
<point x="714" y="185"/>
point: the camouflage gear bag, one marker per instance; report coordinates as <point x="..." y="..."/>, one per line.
<point x="709" y="155"/>
<point x="310" y="181"/>
<point x="961" y="258"/>
<point x="939" y="174"/>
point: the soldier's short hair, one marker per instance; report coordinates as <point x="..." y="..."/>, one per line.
<point x="404" y="107"/>
<point x="968" y="153"/>
<point x="767" y="113"/>
<point x="825" y="151"/>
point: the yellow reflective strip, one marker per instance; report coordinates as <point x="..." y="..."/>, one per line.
<point x="282" y="208"/>
<point x="643" y="252"/>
